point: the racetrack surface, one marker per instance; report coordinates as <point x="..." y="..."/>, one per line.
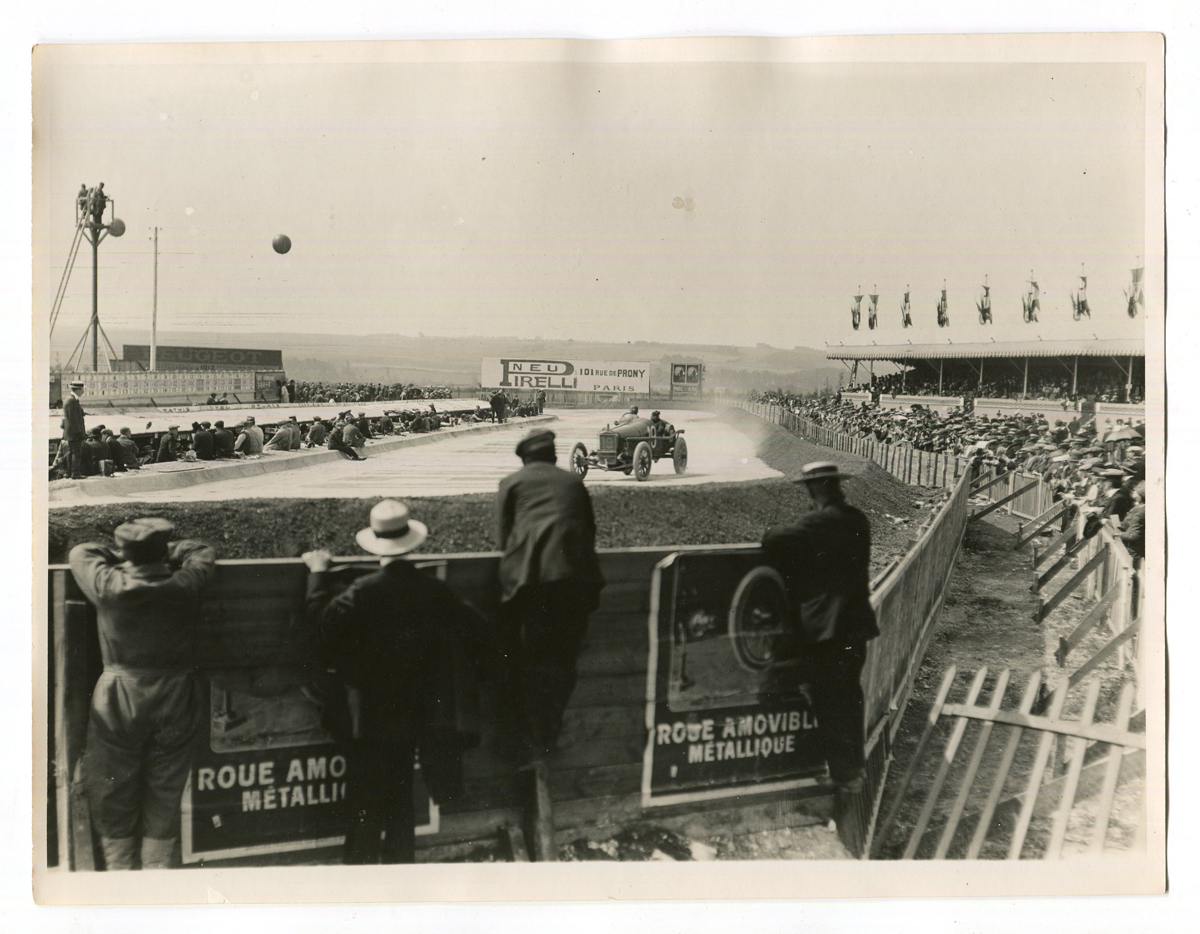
<point x="717" y="453"/>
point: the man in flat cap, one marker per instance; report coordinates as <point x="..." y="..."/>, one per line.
<point x="550" y="583"/>
<point x="128" y="449"/>
<point x="825" y="561"/>
<point x="389" y="636"/>
<point x="168" y="446"/>
<point x="222" y="440"/>
<point x="250" y="439"/>
<point x="73" y="429"/>
<point x="146" y="714"/>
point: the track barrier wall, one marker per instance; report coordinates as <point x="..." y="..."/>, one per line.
<point x="596" y="780"/>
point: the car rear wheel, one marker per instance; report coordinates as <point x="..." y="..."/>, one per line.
<point x="579" y="461"/>
<point x="643" y="459"/>
<point x="680" y="456"/>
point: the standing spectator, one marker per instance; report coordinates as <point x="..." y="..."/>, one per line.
<point x="825" y="560"/>
<point x="541" y="401"/>
<point x="498" y="403"/>
<point x="550" y="583"/>
<point x="386" y="636"/>
<point x="291" y="386"/>
<point x="250" y="441"/>
<point x="202" y="442"/>
<point x="222" y="440"/>
<point x="146" y="714"/>
<point x="73" y="429"/>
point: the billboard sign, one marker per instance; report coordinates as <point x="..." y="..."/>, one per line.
<point x="724" y="715"/>
<point x="686" y="377"/>
<point x="218" y="358"/>
<point x="270" y="779"/>
<point x="564" y="375"/>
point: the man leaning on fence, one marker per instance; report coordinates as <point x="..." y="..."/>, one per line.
<point x="146" y="714"/>
<point x="825" y="561"/>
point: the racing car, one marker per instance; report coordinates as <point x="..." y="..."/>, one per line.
<point x="632" y="446"/>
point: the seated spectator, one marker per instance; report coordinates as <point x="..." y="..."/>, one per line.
<point x="202" y="442"/>
<point x="129" y="450"/>
<point x="317" y="433"/>
<point x="94" y="452"/>
<point x="352" y="436"/>
<point x="337" y="442"/>
<point x="168" y="446"/>
<point x="222" y="441"/>
<point x="250" y="440"/>
<point x="115" y="454"/>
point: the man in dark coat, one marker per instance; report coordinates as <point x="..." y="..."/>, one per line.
<point x="389" y="636"/>
<point x="337" y="442"/>
<point x="550" y="583"/>
<point x="825" y="561"/>
<point x="498" y="403"/>
<point x="168" y="446"/>
<point x="129" y="450"/>
<point x="115" y="454"/>
<point x="73" y="429"/>
<point x="222" y="440"/>
<point x="202" y="443"/>
<point x="146" y="712"/>
<point x="317" y="432"/>
<point x="94" y="451"/>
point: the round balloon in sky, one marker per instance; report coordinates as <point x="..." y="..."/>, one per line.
<point x="282" y="243"/>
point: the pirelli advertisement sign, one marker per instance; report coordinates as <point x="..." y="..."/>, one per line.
<point x="724" y="715"/>
<point x="518" y="373"/>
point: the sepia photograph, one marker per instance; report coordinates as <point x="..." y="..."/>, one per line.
<point x="742" y="459"/>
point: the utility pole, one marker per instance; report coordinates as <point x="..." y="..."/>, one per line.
<point x="154" y="313"/>
<point x="97" y="230"/>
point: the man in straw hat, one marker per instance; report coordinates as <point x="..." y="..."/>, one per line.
<point x="146" y="714"/>
<point x="386" y="635"/>
<point x="550" y="583"/>
<point x="74" y="432"/>
<point x="825" y="560"/>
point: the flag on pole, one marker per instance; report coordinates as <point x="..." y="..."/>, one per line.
<point x="942" y="311"/>
<point x="873" y="312"/>
<point x="906" y="312"/>
<point x="856" y="312"/>
<point x="1134" y="296"/>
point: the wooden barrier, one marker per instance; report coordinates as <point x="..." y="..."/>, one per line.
<point x="595" y="780"/>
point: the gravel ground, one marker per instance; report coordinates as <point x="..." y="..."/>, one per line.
<point x="640" y="514"/>
<point x="987" y="620"/>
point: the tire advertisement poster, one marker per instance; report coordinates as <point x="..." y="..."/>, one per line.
<point x="269" y="778"/>
<point x="724" y="716"/>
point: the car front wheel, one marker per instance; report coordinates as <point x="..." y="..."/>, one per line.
<point x="680" y="456"/>
<point x="643" y="459"/>
<point x="579" y="461"/>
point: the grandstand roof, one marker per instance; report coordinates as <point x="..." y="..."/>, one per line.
<point x="974" y="350"/>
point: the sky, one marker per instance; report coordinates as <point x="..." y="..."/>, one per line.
<point x="709" y="202"/>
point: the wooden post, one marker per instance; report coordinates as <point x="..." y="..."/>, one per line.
<point x="543" y="815"/>
<point x="1025" y="385"/>
<point x="1075" y="378"/>
<point x="941" y="364"/>
<point x="981" y="372"/>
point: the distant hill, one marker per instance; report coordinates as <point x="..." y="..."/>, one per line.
<point x="454" y="361"/>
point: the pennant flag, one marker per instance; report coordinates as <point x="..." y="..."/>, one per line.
<point x="872" y="312"/>
<point x="1031" y="301"/>
<point x="906" y="312"/>
<point x="1134" y="295"/>
<point x="984" y="305"/>
<point x="942" y="308"/>
<point x="1079" y="302"/>
<point x="856" y="312"/>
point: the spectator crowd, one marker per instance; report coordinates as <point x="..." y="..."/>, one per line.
<point x="303" y="391"/>
<point x="1095" y="385"/>
<point x="1099" y="468"/>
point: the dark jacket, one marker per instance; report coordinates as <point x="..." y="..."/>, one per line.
<point x="203" y="445"/>
<point x="316" y="434"/>
<point x="94" y="451"/>
<point x="825" y="560"/>
<point x="1134" y="532"/>
<point x="167" y="449"/>
<point x="403" y="638"/>
<point x="1119" y="503"/>
<point x="72" y="420"/>
<point x="116" y="454"/>
<point x="129" y="451"/>
<point x="546" y="529"/>
<point x="223" y="442"/>
<point x="145" y="613"/>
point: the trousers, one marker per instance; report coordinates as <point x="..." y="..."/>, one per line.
<point x="379" y="798"/>
<point x="141" y="738"/>
<point x="75" y="458"/>
<point x="833" y="671"/>
<point x="544" y="626"/>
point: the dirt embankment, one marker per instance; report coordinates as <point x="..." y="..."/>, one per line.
<point x="632" y="515"/>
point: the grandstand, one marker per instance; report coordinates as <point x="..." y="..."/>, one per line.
<point x="1088" y="376"/>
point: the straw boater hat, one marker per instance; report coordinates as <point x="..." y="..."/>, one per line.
<point x="822" y="470"/>
<point x="391" y="531"/>
<point x="76" y="384"/>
